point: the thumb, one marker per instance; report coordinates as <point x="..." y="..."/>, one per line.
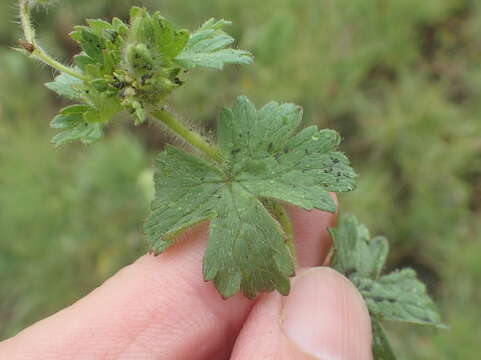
<point x="324" y="317"/>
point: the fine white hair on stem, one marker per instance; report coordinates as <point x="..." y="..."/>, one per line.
<point x="33" y="48"/>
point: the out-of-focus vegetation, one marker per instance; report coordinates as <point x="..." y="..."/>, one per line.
<point x="401" y="81"/>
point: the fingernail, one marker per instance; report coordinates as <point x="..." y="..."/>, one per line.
<point x="325" y="316"/>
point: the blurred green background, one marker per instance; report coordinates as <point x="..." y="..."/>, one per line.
<point x="400" y="79"/>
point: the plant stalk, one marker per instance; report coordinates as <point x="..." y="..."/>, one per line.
<point x="193" y="138"/>
<point x="34" y="49"/>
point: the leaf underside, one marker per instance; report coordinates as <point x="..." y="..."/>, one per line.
<point x="397" y="296"/>
<point x="264" y="159"/>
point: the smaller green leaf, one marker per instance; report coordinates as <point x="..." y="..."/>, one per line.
<point x="209" y="47"/>
<point x="381" y="347"/>
<point x="66" y="121"/>
<point x="74" y="109"/>
<point x="355" y="252"/>
<point x="92" y="44"/>
<point x="399" y="296"/>
<point x="119" y="26"/>
<point x="99" y="25"/>
<point x="83" y="60"/>
<point x="80" y="122"/>
<point x="85" y="132"/>
<point x="66" y="85"/>
<point x="170" y="41"/>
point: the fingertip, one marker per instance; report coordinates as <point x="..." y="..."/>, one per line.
<point x="325" y="316"/>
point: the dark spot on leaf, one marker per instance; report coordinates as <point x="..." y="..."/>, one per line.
<point x="381" y="299"/>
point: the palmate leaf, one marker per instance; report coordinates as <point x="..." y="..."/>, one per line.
<point x="398" y="296"/>
<point x="247" y="248"/>
<point x="209" y="46"/>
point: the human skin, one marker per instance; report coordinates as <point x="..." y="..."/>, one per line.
<point x="161" y="308"/>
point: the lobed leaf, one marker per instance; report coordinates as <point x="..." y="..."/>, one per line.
<point x="209" y="47"/>
<point x="301" y="170"/>
<point x="398" y="296"/>
<point x="247" y="249"/>
<point x="355" y="251"/>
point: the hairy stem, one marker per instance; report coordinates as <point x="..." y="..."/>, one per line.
<point x="26" y="22"/>
<point x="281" y="215"/>
<point x="35" y="50"/>
<point x="193" y="138"/>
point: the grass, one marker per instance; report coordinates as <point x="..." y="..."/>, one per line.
<point x="401" y="81"/>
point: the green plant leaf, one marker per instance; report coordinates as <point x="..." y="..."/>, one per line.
<point x="85" y="132"/>
<point x="381" y="347"/>
<point x="247" y="249"/>
<point x="398" y="296"/>
<point x="136" y="67"/>
<point x="67" y="86"/>
<point x="355" y="251"/>
<point x="84" y="122"/>
<point x="187" y="191"/>
<point x="210" y="47"/>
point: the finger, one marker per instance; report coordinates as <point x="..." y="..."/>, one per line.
<point x="324" y="317"/>
<point x="156" y="308"/>
<point x="310" y="231"/>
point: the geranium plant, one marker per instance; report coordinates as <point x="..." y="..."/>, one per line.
<point x="259" y="162"/>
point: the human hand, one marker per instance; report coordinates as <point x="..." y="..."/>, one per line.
<point x="160" y="308"/>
